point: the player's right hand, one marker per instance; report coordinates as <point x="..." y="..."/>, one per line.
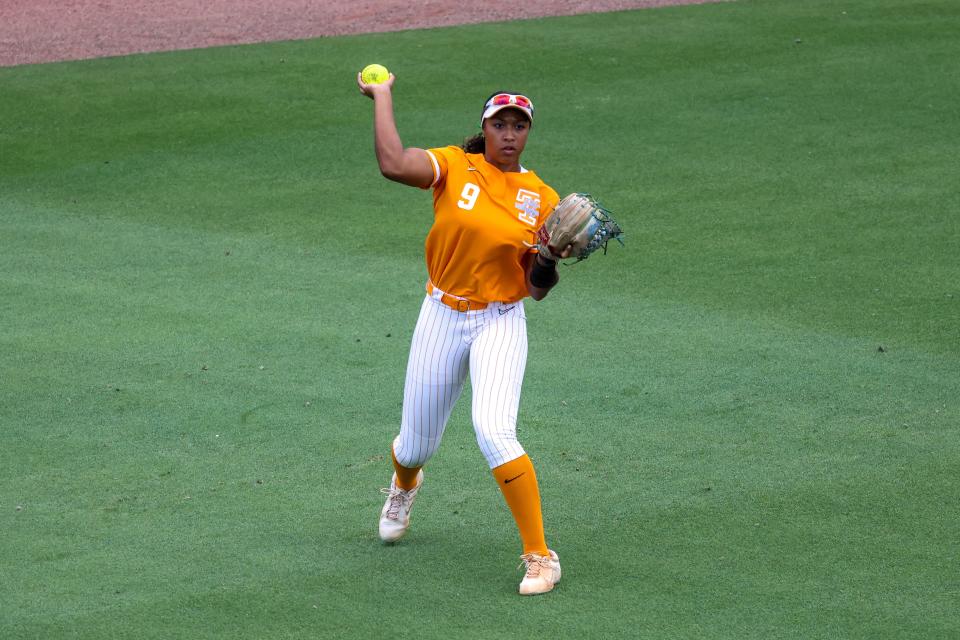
<point x="371" y="90"/>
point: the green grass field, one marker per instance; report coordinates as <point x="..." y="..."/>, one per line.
<point x="745" y="422"/>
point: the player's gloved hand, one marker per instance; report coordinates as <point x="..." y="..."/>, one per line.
<point x="577" y="227"/>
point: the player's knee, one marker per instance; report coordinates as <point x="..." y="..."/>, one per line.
<point x="498" y="447"/>
<point x="412" y="456"/>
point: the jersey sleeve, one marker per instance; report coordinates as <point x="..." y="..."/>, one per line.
<point x="441" y="157"/>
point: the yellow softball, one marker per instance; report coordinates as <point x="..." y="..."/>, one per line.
<point x="374" y="74"/>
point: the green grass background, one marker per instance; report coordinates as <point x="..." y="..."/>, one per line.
<point x="744" y="422"/>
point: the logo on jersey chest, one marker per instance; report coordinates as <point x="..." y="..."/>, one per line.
<point x="528" y="205"/>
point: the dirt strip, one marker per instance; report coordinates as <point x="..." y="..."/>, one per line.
<point x="33" y="31"/>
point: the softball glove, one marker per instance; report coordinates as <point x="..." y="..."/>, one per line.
<point x="577" y="220"/>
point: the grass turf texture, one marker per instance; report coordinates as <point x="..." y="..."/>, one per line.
<point x="209" y="292"/>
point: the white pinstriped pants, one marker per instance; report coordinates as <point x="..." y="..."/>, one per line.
<point x="492" y="345"/>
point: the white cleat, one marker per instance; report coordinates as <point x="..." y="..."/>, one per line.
<point x="395" y="515"/>
<point x="542" y="573"/>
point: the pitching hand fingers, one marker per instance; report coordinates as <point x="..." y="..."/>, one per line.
<point x="364" y="88"/>
<point x="370" y="90"/>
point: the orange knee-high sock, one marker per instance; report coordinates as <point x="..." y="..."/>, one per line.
<point x="518" y="482"/>
<point x="406" y="476"/>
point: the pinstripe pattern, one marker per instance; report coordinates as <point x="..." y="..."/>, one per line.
<point x="498" y="358"/>
<point x="447" y="344"/>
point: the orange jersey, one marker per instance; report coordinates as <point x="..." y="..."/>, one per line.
<point x="485" y="221"/>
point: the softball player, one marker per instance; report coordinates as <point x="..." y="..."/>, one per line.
<point x="481" y="262"/>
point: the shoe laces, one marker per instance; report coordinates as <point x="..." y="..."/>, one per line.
<point x="535" y="563"/>
<point x="398" y="497"/>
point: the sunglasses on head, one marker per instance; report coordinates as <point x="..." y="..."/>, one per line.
<point x="502" y="99"/>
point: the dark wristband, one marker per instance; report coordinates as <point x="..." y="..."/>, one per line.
<point x="543" y="274"/>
